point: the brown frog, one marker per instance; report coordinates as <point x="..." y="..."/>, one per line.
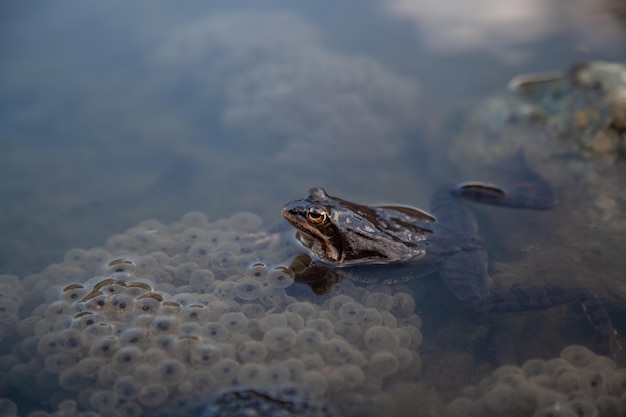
<point x="389" y="244"/>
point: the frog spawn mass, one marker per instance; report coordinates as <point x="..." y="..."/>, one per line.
<point x="577" y="384"/>
<point x="162" y="317"/>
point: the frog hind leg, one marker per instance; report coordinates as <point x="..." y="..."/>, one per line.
<point x="459" y="274"/>
<point x="518" y="187"/>
<point x="464" y="271"/>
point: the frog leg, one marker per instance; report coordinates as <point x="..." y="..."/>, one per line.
<point x="464" y="271"/>
<point x="465" y="274"/>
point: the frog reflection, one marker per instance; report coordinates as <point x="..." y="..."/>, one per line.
<point x="390" y="244"/>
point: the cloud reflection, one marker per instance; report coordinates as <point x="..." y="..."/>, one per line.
<point x="505" y="29"/>
<point x="282" y="85"/>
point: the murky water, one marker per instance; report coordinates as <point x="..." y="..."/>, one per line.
<point x="113" y="114"/>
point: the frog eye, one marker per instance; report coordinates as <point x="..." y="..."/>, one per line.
<point x="316" y="215"/>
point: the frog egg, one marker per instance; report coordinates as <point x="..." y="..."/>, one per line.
<point x="164" y="245"/>
<point x="196" y="313"/>
<point x="107" y="376"/>
<point x="249" y="289"/>
<point x="69" y="340"/>
<point x="103" y="400"/>
<point x="128" y="409"/>
<point x="379" y="338"/>
<point x="234" y="322"/>
<point x="47" y="380"/>
<point x="272" y="320"/>
<point x="257" y="272"/>
<point x="579" y="356"/>
<point x="405" y="358"/>
<point x="389" y="320"/>
<point x="122" y="306"/>
<point x="337" y="302"/>
<point x="149" y="303"/>
<point x="337" y="350"/>
<point x="294" y="321"/>
<point x="608" y="406"/>
<point x="205" y="355"/>
<point x="217" y="308"/>
<point x="58" y="362"/>
<point x="56" y="310"/>
<point x="351" y="313"/>
<point x="171" y="372"/>
<point x="371" y="317"/>
<point x="165" y="325"/>
<point x="171" y="308"/>
<point x="278" y="375"/>
<point x="223" y="259"/>
<point x="379" y="301"/>
<point x="252" y="375"/>
<point x="324" y="326"/>
<point x="127" y="357"/>
<point x="253" y="311"/>
<point x="225" y="290"/>
<point x="104" y="347"/>
<point x="273" y="297"/>
<point x="403" y="303"/>
<point x="200" y="250"/>
<point x="8" y="408"/>
<point x="314" y="383"/>
<point x="225" y="370"/>
<point x="116" y="243"/>
<point x="26" y="327"/>
<point x="383" y="364"/>
<point x="350" y="332"/>
<point x="189" y="328"/>
<point x="582" y="407"/>
<point x="280" y="277"/>
<point x="353" y="376"/>
<point x="144" y="373"/>
<point x="48" y="344"/>
<point x="184" y="270"/>
<point x="165" y="342"/>
<point x="304" y="309"/>
<point x="89" y="366"/>
<point x="97" y="302"/>
<point x="616" y="383"/>
<point x="193" y="234"/>
<point x="126" y="388"/>
<point x="245" y="221"/>
<point x="195" y="218"/>
<point x="199" y="383"/>
<point x="279" y="338"/>
<point x="251" y="351"/>
<point x="72" y="380"/>
<point x="295" y="368"/>
<point x="152" y="395"/>
<point x="28" y="346"/>
<point x="133" y="336"/>
<point x="73" y="292"/>
<point x="592" y="382"/>
<point x="214" y="331"/>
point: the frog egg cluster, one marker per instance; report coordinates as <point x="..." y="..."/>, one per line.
<point x="578" y="383"/>
<point x="162" y="317"/>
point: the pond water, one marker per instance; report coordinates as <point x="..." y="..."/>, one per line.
<point x="116" y="113"/>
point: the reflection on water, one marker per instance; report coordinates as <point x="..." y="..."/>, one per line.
<point x="113" y="114"/>
<point x="509" y="29"/>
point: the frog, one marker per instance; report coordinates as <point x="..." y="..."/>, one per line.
<point x="388" y="244"/>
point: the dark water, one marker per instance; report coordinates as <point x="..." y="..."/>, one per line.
<point x="113" y="113"/>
